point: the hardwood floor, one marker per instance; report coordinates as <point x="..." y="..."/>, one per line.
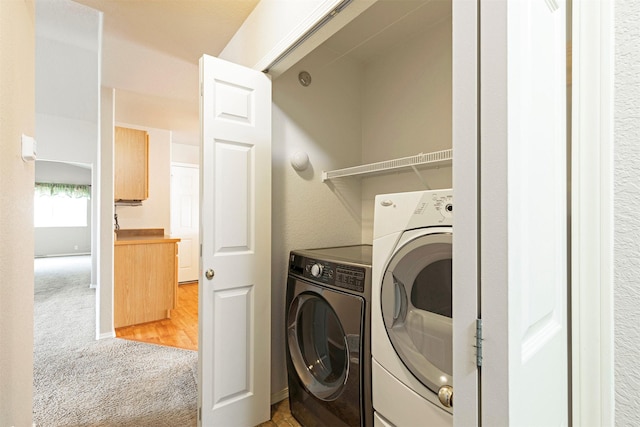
<point x="281" y="416"/>
<point x="180" y="331"/>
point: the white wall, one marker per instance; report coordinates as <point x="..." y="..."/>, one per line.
<point x="406" y="111"/>
<point x="626" y="207"/>
<point x="17" y="109"/>
<point x="185" y="153"/>
<point x="67" y="90"/>
<point x="148" y="72"/>
<point x="62" y="173"/>
<point x="181" y="116"/>
<point x="63" y="240"/>
<point x="155" y="211"/>
<point x="65" y="139"/>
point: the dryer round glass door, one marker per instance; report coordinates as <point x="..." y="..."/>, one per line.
<point x="318" y="345"/>
<point x="416" y="307"/>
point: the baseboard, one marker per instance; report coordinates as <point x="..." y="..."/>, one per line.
<point x="106" y="335"/>
<point x="62" y="255"/>
<point x="281" y="395"/>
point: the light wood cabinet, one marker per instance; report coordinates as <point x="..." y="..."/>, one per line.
<point x="145" y="281"/>
<point x="131" y="164"/>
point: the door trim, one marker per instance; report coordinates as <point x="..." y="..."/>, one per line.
<point x="466" y="240"/>
<point x="592" y="213"/>
<point x="172" y="218"/>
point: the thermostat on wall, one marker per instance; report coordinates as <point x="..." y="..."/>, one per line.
<point x="28" y="148"/>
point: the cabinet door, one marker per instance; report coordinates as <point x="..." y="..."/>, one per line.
<point x="145" y="283"/>
<point x="131" y="164"/>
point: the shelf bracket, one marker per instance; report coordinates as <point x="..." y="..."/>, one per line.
<point x="422" y="180"/>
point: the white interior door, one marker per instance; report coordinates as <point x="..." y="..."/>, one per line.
<point x="523" y="215"/>
<point x="185" y="207"/>
<point x="235" y="290"/>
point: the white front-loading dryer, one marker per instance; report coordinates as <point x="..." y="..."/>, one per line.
<point x="411" y="313"/>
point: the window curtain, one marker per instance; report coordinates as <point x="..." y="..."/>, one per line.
<point x="68" y="190"/>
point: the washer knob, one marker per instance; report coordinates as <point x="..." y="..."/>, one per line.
<point x="316" y="270"/>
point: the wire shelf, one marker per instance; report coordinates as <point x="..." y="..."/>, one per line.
<point x="433" y="159"/>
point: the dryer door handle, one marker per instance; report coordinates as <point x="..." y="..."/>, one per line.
<point x="394" y="301"/>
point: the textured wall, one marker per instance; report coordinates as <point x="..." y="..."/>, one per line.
<point x="17" y="112"/>
<point x="626" y="217"/>
<point x="401" y="119"/>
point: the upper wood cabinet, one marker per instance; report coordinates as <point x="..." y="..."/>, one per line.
<point x="131" y="151"/>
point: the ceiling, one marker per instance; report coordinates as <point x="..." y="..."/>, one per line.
<point x="386" y="24"/>
<point x="183" y="29"/>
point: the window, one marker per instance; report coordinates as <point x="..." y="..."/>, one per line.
<point x="61" y="205"/>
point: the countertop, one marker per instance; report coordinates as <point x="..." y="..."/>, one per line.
<point x="141" y="236"/>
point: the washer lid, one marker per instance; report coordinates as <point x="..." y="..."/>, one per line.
<point x="417" y="308"/>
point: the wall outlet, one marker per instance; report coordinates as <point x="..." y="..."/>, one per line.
<point x="75" y="247"/>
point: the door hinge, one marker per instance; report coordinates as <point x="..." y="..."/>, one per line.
<point x="478" y="345"/>
<point x="200" y="414"/>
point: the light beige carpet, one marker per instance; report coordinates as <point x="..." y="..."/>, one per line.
<point x="79" y="381"/>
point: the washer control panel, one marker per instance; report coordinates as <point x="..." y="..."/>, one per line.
<point x="329" y="273"/>
<point x="444" y="205"/>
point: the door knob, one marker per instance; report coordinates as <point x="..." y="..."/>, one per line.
<point x="445" y="394"/>
<point x="209" y="274"/>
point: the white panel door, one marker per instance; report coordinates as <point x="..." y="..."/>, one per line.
<point x="537" y="177"/>
<point x="235" y="290"/>
<point x="185" y="207"/>
<point x="524" y="213"/>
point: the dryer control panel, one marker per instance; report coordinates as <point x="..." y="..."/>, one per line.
<point x="329" y="273"/>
